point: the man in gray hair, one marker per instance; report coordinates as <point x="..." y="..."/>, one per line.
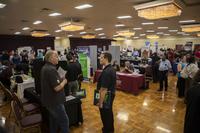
<point x="52" y="94"/>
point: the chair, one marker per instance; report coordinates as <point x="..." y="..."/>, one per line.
<point x="25" y="122"/>
<point x="26" y="108"/>
<point x="8" y="94"/>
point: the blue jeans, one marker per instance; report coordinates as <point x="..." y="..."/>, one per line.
<point x="58" y="118"/>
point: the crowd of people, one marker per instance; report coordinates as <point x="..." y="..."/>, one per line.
<point x="184" y="65"/>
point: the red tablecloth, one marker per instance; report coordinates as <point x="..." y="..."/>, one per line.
<point x="129" y="82"/>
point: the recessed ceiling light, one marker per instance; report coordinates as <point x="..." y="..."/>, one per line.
<point x="70" y="35"/>
<point x="163" y="28"/>
<point x="55" y="14"/>
<point x="84" y="6"/>
<point x="137" y="28"/>
<point x="25" y="28"/>
<point x="17" y="33"/>
<point x="180" y="32"/>
<point x="37" y="22"/>
<point x="57" y="37"/>
<point x="172" y="30"/>
<point x="159" y="33"/>
<point x="101" y="34"/>
<point x="119" y="25"/>
<point x="115" y="35"/>
<point x="103" y="37"/>
<point x="2" y="5"/>
<point x="136" y="37"/>
<point x="148" y="23"/>
<point x="98" y="29"/>
<point x="124" y="17"/>
<point x="83" y="32"/>
<point x="142" y="34"/>
<point x="58" y="31"/>
<point x="187" y="21"/>
<point x="150" y="31"/>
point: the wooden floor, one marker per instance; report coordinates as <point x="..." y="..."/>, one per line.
<point x="149" y="112"/>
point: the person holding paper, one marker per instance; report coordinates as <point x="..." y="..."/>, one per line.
<point x="52" y="94"/>
<point x="106" y="82"/>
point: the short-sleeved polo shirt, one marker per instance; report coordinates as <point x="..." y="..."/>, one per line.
<point x="107" y="79"/>
<point x="49" y="80"/>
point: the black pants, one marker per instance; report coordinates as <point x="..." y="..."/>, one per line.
<point x="107" y="118"/>
<point x="155" y="73"/>
<point x="163" y="78"/>
<point x="181" y="87"/>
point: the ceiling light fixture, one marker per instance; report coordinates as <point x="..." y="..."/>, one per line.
<point x="84" y="6"/>
<point x="126" y="33"/>
<point x="98" y="29"/>
<point x="55" y="14"/>
<point x="162" y="28"/>
<point x="89" y="36"/>
<point x="70" y="35"/>
<point x="72" y="26"/>
<point x="150" y="31"/>
<point x="119" y="25"/>
<point x="142" y="34"/>
<point x="37" y="22"/>
<point x="172" y="30"/>
<point x="191" y="28"/>
<point x="81" y="33"/>
<point x="159" y="33"/>
<point x="2" y="5"/>
<point x="103" y="37"/>
<point x="124" y="17"/>
<point x="166" y="34"/>
<point x="57" y="37"/>
<point x="158" y="9"/>
<point x="187" y="21"/>
<point x="198" y="34"/>
<point x="136" y="37"/>
<point x="148" y="23"/>
<point x="17" y="33"/>
<point x="58" y="31"/>
<point x="39" y="33"/>
<point x="101" y="34"/>
<point x="137" y="28"/>
<point x="152" y="36"/>
<point x="25" y="28"/>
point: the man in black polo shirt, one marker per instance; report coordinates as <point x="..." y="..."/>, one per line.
<point x="106" y="82"/>
<point x="52" y="94"/>
<point x="72" y="75"/>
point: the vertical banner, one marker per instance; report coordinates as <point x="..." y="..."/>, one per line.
<point x="84" y="60"/>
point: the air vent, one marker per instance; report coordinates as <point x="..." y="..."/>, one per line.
<point x="24" y="21"/>
<point x="11" y="29"/>
<point x="45" y="10"/>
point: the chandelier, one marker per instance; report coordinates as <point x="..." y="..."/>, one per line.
<point x="191" y="28"/>
<point x="158" y="9"/>
<point x="39" y="33"/>
<point x="152" y="36"/>
<point x="88" y="36"/>
<point x="126" y="33"/>
<point x="72" y="26"/>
